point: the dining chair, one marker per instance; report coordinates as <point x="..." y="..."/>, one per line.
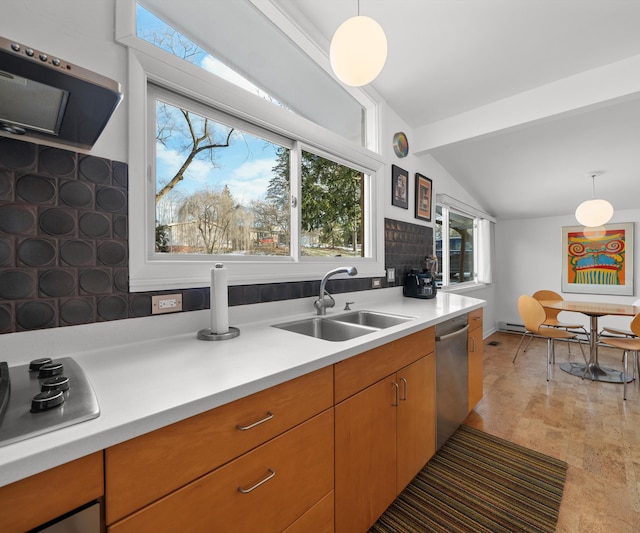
<point x="628" y="344"/>
<point x="551" y="320"/>
<point x="608" y="331"/>
<point x="533" y="315"/>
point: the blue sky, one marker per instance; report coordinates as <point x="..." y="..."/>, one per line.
<point x="245" y="167"/>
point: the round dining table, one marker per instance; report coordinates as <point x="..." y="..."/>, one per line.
<point x="594" y="310"/>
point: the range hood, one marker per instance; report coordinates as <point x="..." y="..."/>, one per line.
<point x="46" y="97"/>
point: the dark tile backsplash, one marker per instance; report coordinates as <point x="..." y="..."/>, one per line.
<point x="64" y="250"/>
<point x="406" y="246"/>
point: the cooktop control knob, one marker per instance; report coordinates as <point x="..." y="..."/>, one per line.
<point x="46" y="400"/>
<point x="55" y="383"/>
<point x="49" y="370"/>
<point x="35" y="365"/>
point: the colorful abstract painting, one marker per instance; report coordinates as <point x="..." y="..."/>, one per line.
<point x="598" y="260"/>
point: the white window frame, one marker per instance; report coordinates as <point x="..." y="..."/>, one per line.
<point x="446" y="257"/>
<point x="482" y="243"/>
<point x="149" y="65"/>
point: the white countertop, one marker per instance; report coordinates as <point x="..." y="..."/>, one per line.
<point x="151" y="372"/>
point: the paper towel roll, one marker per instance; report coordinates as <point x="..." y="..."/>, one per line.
<point x="219" y="300"/>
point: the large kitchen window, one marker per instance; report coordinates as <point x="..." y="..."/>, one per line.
<point x="223" y="188"/>
<point x="230" y="177"/>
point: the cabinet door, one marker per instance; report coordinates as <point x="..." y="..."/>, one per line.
<point x="475" y="367"/>
<point x="365" y="456"/>
<point x="416" y="418"/>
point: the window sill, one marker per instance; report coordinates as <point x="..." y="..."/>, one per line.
<point x="464" y="287"/>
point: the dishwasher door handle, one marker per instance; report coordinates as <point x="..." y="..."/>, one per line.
<point x="452" y="335"/>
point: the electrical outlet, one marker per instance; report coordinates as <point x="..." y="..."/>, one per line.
<point x="391" y="275"/>
<point x="376" y="283"/>
<point x="166" y="303"/>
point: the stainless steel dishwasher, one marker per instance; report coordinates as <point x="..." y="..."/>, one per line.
<point x="452" y="376"/>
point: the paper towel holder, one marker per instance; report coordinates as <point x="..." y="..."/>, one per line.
<point x="207" y="335"/>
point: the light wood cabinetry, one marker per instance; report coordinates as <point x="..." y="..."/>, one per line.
<point x="33" y="501"/>
<point x="318" y="519"/>
<point x="416" y="418"/>
<point x="264" y="490"/>
<point x="475" y="358"/>
<point x="200" y="463"/>
<point x="385" y="426"/>
<point x="327" y="451"/>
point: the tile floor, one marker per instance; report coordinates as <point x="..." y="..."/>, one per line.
<point x="584" y="423"/>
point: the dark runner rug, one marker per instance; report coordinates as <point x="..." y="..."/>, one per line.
<point x="479" y="483"/>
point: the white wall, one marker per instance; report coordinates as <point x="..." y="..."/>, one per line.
<point x="530" y="258"/>
<point x="442" y="182"/>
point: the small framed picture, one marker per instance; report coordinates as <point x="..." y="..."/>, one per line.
<point x="399" y="187"/>
<point x="423" y="197"/>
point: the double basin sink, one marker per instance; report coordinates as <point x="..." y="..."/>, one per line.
<point x="344" y="327"/>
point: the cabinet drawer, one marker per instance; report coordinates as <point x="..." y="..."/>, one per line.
<point x="297" y="466"/>
<point x="144" y="469"/>
<point x="355" y="374"/>
<point x="35" y="500"/>
<point x="475" y="319"/>
<point x="318" y="519"/>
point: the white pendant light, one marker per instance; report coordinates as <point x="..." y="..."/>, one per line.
<point x="594" y="212"/>
<point x="358" y="50"/>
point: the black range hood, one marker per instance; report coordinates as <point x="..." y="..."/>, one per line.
<point x="46" y="97"/>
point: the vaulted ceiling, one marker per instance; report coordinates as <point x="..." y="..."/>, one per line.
<point x="520" y="100"/>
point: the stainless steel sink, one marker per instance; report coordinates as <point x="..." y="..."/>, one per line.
<point x="374" y="319"/>
<point x="324" y="328"/>
<point x="343" y="327"/>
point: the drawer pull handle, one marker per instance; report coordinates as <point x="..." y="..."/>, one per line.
<point x="406" y="389"/>
<point x="250" y="426"/>
<point x="397" y="394"/>
<point x="247" y="491"/>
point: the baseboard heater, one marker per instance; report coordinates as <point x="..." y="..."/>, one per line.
<point x="511" y="327"/>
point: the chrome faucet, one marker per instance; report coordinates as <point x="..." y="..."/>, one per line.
<point x="322" y="303"/>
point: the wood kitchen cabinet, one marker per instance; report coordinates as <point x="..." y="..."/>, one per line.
<point x="33" y="501"/>
<point x="385" y="426"/>
<point x="475" y="358"/>
<point x="264" y="490"/>
<point x="191" y="471"/>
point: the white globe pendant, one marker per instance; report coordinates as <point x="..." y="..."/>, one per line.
<point x="358" y="51"/>
<point x="594" y="213"/>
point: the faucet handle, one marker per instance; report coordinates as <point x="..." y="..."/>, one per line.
<point x="346" y="306"/>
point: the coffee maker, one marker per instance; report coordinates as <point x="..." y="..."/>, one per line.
<point x="419" y="284"/>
